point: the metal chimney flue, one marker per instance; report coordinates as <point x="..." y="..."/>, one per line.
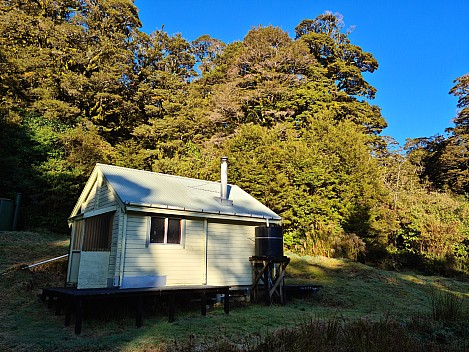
<point x="224" y="178"/>
<point x="224" y="194"/>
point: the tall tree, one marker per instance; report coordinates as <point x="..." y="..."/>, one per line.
<point x="445" y="158"/>
<point x="299" y="140"/>
<point x="345" y="64"/>
<point x="255" y="77"/>
<point x="344" y="61"/>
<point x="461" y="90"/>
<point x="65" y="69"/>
<point x="206" y="49"/>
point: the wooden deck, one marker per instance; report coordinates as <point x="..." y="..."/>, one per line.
<point x="72" y="299"/>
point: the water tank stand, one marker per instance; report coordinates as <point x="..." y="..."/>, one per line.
<point x="268" y="276"/>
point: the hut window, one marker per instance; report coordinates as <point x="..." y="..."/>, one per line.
<point x="98" y="233"/>
<point x="165" y="230"/>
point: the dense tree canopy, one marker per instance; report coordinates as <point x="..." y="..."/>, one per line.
<point x="80" y="84"/>
<point x="445" y="159"/>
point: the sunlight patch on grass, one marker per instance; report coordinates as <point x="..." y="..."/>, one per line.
<point x="350" y="291"/>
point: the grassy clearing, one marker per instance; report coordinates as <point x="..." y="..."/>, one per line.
<point x="356" y="300"/>
<point x="23" y="248"/>
<point x="357" y="290"/>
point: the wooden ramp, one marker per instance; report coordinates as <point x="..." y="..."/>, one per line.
<point x="73" y="300"/>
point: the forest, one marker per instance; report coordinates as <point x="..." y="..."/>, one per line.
<point x="80" y="83"/>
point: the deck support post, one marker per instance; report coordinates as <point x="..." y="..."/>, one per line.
<point x="203" y="304"/>
<point x="68" y="312"/>
<point x="58" y="307"/>
<point x="226" y="303"/>
<point x="139" y="309"/>
<point x="78" y="315"/>
<point x="267" y="298"/>
<point x="171" y="303"/>
<point x="72" y="300"/>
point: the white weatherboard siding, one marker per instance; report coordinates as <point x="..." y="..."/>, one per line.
<point x="105" y="197"/>
<point x="180" y="264"/>
<point x="101" y="196"/>
<point x="116" y="246"/>
<point x="93" y="271"/>
<point x="90" y="201"/>
<point x="228" y="251"/>
<point x="114" y="243"/>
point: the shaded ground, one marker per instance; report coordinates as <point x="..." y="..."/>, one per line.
<point x="354" y="296"/>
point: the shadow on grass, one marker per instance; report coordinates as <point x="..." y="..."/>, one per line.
<point x="367" y="290"/>
<point x="355" y="307"/>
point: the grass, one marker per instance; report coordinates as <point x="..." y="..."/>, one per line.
<point x="23" y="248"/>
<point x="357" y="289"/>
<point x="357" y="306"/>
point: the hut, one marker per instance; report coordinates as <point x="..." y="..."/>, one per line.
<point x="134" y="229"/>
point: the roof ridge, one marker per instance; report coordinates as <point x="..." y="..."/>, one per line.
<point x="153" y="189"/>
<point x="158" y="173"/>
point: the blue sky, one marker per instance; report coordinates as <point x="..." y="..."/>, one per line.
<point x="421" y="46"/>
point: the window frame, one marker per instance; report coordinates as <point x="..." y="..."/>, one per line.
<point x="165" y="235"/>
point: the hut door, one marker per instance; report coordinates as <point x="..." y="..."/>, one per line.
<point x="74" y="262"/>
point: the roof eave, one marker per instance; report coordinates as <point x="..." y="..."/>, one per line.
<point x="130" y="206"/>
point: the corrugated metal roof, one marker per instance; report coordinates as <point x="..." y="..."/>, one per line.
<point x="145" y="188"/>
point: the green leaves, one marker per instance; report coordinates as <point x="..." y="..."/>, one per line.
<point x="444" y="159"/>
<point x="80" y="84"/>
<point x="344" y="61"/>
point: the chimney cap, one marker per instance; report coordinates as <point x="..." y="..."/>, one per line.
<point x="224" y="158"/>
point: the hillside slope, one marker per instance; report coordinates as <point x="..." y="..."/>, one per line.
<point x="351" y="292"/>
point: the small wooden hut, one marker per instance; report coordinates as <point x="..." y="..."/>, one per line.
<point x="134" y="228"/>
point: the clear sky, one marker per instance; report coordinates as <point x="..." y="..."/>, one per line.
<point x="421" y="46"/>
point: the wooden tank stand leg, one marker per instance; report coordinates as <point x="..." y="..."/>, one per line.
<point x="277" y="287"/>
<point x="283" y="293"/>
<point x="254" y="282"/>
<point x="261" y="274"/>
<point x="267" y="282"/>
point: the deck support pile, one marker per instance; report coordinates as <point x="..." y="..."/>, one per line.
<point x="73" y="300"/>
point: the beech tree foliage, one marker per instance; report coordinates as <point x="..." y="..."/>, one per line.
<point x="80" y="84"/>
<point x="444" y="159"/>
